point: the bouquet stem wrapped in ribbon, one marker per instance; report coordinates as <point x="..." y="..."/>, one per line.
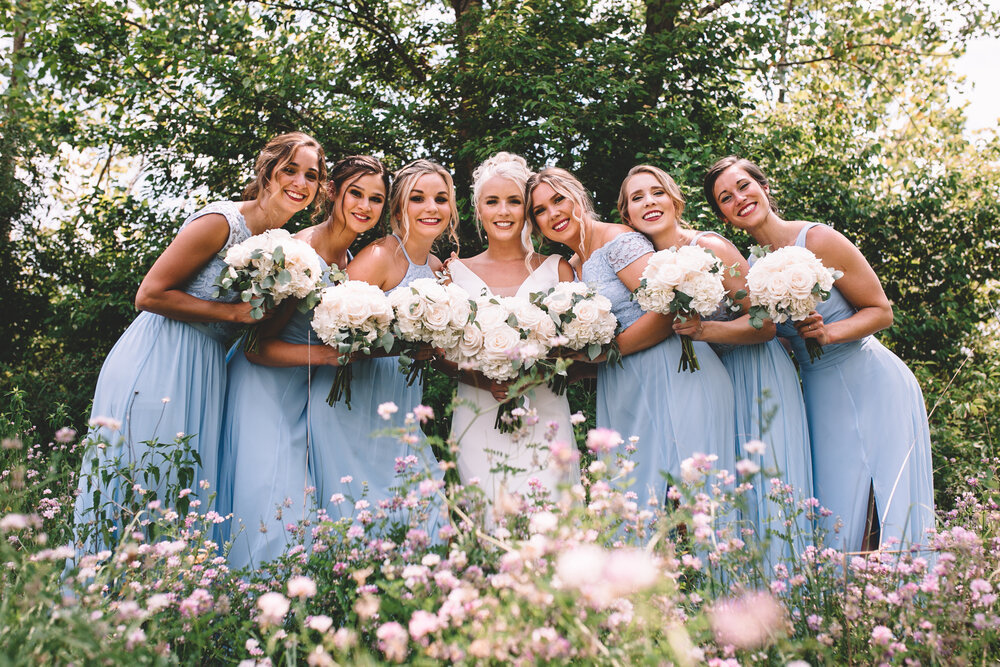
<point x="685" y="281"/>
<point x="787" y="284"/>
<point x="353" y="317"/>
<point x="265" y="270"/>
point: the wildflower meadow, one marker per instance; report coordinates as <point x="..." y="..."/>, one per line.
<point x="432" y="575"/>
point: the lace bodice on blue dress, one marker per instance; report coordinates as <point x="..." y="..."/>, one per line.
<point x="601" y="272"/>
<point x="202" y="285"/>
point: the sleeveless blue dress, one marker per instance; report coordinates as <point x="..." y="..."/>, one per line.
<point x="164" y="378"/>
<point x="675" y="415"/>
<point x="264" y="468"/>
<point x="868" y="426"/>
<point x="343" y="440"/>
<point x="770" y="408"/>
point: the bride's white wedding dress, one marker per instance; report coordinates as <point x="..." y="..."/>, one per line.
<point x="499" y="460"/>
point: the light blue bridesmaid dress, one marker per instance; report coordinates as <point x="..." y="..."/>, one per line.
<point x="675" y="414"/>
<point x="164" y="378"/>
<point x="343" y="440"/>
<point x="264" y="465"/>
<point x="868" y="426"/>
<point x="770" y="408"/>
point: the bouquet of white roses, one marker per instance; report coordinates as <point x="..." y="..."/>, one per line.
<point x="583" y="321"/>
<point x="515" y="334"/>
<point x="351" y="317"/>
<point x="786" y="285"/>
<point x="428" y="312"/>
<point x="685" y="280"/>
<point x="268" y="268"/>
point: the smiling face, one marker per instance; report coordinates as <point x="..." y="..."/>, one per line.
<point x="649" y="208"/>
<point x="741" y="200"/>
<point x="293" y="185"/>
<point x="501" y="209"/>
<point x="553" y="211"/>
<point x="360" y="205"/>
<point x="428" y="207"/>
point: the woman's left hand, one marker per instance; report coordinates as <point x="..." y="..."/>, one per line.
<point x="690" y="326"/>
<point x="813" y="327"/>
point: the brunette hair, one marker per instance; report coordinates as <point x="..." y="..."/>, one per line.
<point x="664" y="179"/>
<point x="275" y="155"/>
<point x="348" y="170"/>
<point x="402" y="185"/>
<point x="751" y="168"/>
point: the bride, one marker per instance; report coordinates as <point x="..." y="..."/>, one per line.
<point x="508" y="267"/>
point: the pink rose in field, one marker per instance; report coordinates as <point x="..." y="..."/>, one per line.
<point x="273" y="607"/>
<point x="882" y="635"/>
<point x="105" y="422"/>
<point x="318" y="657"/>
<point x="563" y="456"/>
<point x="392" y="639"/>
<point x="423" y="623"/>
<point x="423" y="413"/>
<point x="65" y="435"/>
<point x="603" y="440"/>
<point x="196" y="604"/>
<point x="748" y="621"/>
<point x="301" y="587"/>
<point x="319" y="623"/>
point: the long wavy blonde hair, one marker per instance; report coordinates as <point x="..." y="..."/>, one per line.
<point x="402" y="185"/>
<point x="568" y="186"/>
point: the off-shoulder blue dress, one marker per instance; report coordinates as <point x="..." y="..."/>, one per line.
<point x="264" y="469"/>
<point x="343" y="440"/>
<point x="163" y="379"/>
<point x="770" y="408"/>
<point x="868" y="426"/>
<point x="674" y="414"/>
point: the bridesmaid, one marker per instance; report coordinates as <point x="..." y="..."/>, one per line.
<point x="769" y="403"/>
<point x="508" y="267"/>
<point x="264" y="460"/>
<point x="166" y="375"/>
<point x="675" y="415"/>
<point x="421" y="208"/>
<point x="870" y="441"/>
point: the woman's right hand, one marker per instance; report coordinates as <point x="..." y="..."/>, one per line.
<point x="241" y="313"/>
<point x="499" y="391"/>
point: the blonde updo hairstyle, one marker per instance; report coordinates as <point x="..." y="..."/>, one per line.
<point x="403" y="183"/>
<point x="514" y="168"/>
<point x="568" y="186"/>
<point x="275" y="155"/>
<point x="665" y="181"/>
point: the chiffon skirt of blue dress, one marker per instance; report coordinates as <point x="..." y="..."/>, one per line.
<point x="265" y="466"/>
<point x="868" y="426"/>
<point x="770" y="408"/>
<point x="345" y="440"/>
<point x="675" y="414"/>
<point x="157" y="358"/>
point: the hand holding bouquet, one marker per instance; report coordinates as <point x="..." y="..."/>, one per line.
<point x="513" y="334"/>
<point x="352" y="317"/>
<point x="786" y="285"/>
<point x="428" y="312"/>
<point x="685" y="281"/>
<point x="268" y="268"/>
<point x="583" y="320"/>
